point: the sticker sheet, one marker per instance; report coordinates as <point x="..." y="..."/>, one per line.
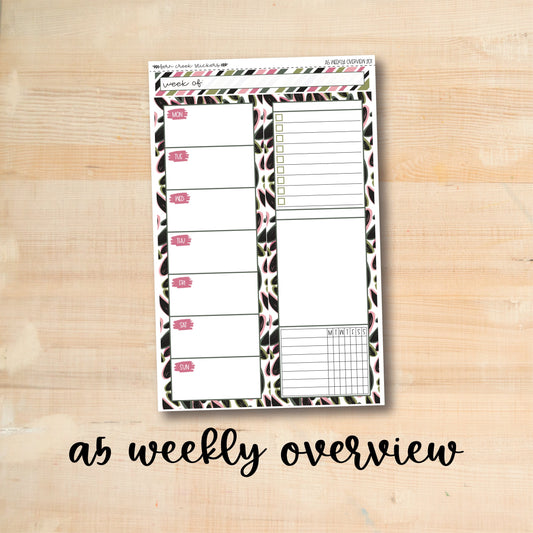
<point x="266" y="233"/>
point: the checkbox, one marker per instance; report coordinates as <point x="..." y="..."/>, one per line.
<point x="279" y="149"/>
<point x="280" y="159"/>
<point x="281" y="201"/>
<point x="281" y="181"/>
<point x="279" y="138"/>
<point x="281" y="190"/>
<point x="279" y="116"/>
<point x="281" y="170"/>
<point x="279" y="127"/>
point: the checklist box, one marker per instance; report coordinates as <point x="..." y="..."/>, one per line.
<point x="280" y="159"/>
<point x="281" y="180"/>
<point x="279" y="149"/>
<point x="281" y="170"/>
<point x="281" y="190"/>
<point x="281" y="201"/>
<point x="279" y="116"/>
<point x="279" y="138"/>
<point x="279" y="127"/>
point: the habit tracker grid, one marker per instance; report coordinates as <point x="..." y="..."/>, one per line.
<point x="266" y="228"/>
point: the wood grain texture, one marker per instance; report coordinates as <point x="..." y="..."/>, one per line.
<point x="77" y="356"/>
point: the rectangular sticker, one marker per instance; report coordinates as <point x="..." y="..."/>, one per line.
<point x="266" y="233"/>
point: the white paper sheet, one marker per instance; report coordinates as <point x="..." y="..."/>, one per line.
<point x="266" y="233"/>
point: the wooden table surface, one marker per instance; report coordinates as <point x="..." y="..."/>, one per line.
<point x="77" y="342"/>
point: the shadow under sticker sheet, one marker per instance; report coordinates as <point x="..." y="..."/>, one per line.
<point x="266" y="228"/>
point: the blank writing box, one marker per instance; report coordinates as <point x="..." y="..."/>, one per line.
<point x="207" y="251"/>
<point x="211" y="336"/>
<point x="221" y="378"/>
<point x="321" y="272"/>
<point x="210" y="167"/>
<point x="228" y="209"/>
<point x="208" y="125"/>
<point x="213" y="294"/>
